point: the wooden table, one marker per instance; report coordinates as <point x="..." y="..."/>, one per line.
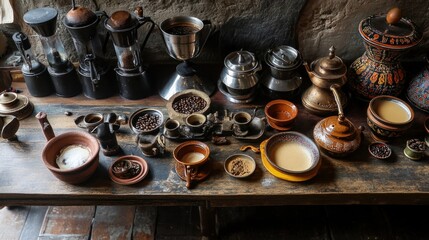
<point x="357" y="179"/>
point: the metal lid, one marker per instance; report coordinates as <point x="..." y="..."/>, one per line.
<point x="16" y="105"/>
<point x="390" y="30"/>
<point x="330" y="67"/>
<point x="79" y="16"/>
<point x="121" y="20"/>
<point x="283" y="57"/>
<point x="241" y="61"/>
<point x="42" y="20"/>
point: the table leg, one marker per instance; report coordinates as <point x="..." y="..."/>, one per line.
<point x="208" y="222"/>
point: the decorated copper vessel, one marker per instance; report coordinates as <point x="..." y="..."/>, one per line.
<point x="378" y="71"/>
<point x="418" y="90"/>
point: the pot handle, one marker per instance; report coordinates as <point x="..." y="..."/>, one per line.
<point x="46" y="126"/>
<point x="142" y="21"/>
<point x="207" y="29"/>
<point x="335" y="90"/>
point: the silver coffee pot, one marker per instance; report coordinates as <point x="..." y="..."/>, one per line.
<point x="239" y="78"/>
<point x="283" y="79"/>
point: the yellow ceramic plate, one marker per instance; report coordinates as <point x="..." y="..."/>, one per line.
<point x="285" y="176"/>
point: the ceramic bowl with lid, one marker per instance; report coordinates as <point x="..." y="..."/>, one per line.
<point x="239" y="74"/>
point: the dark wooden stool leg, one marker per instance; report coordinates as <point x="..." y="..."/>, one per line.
<point x="208" y="222"/>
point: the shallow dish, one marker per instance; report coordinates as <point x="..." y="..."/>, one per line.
<point x="379" y="150"/>
<point x="144" y="170"/>
<point x="140" y="113"/>
<point x="280" y="113"/>
<point x="239" y="165"/>
<point x="292" y="152"/>
<point x="286" y="176"/>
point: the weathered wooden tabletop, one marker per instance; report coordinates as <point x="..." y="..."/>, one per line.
<point x="357" y="179"/>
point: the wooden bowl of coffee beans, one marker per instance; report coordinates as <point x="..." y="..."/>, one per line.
<point x="187" y="102"/>
<point x="146" y="120"/>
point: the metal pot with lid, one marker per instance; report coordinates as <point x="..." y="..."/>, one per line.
<point x="283" y="80"/>
<point x="239" y="76"/>
<point x="324" y="73"/>
<point x="337" y="135"/>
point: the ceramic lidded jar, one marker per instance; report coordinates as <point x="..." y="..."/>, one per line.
<point x="283" y="79"/>
<point x="378" y="71"/>
<point x="240" y="72"/>
<point x="325" y="72"/>
<point x="418" y="90"/>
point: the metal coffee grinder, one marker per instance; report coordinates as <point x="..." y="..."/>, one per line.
<point x="95" y="73"/>
<point x="43" y="22"/>
<point x="35" y="74"/>
<point x="130" y="73"/>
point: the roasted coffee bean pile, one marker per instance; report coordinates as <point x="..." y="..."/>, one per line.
<point x="126" y="169"/>
<point x="380" y="150"/>
<point x="188" y="105"/>
<point x="417" y="145"/>
<point x="148" y="122"/>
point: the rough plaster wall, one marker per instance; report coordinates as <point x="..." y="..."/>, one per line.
<point x="323" y="23"/>
<point x="254" y="25"/>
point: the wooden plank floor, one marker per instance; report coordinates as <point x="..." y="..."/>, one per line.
<point x="289" y="222"/>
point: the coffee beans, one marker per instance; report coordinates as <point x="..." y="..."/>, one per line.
<point x="188" y="105"/>
<point x="416" y="145"/>
<point x="380" y="150"/>
<point x="148" y="122"/>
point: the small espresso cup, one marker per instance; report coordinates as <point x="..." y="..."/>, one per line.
<point x="196" y="122"/>
<point x="242" y="120"/>
<point x="151" y="145"/>
<point x="191" y="155"/>
<point x="171" y="127"/>
<point x="91" y="121"/>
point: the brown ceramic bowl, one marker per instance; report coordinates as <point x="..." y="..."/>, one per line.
<point x="280" y="113"/>
<point x="182" y="153"/>
<point x="140" y="113"/>
<point x="388" y="117"/>
<point x="379" y="150"/>
<point x="292" y="153"/>
<point x="78" y="174"/>
<point x="239" y="165"/>
<point x="144" y="170"/>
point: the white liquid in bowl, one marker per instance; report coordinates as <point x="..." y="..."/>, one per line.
<point x="72" y="156"/>
<point x="291" y="156"/>
<point x="192" y="157"/>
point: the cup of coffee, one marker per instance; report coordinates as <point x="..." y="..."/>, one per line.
<point x="171" y="127"/>
<point x="151" y="145"/>
<point x="89" y="121"/>
<point x="242" y="121"/>
<point x="195" y="122"/>
<point x="192" y="155"/>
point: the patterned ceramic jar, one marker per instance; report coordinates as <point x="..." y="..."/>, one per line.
<point x="418" y="91"/>
<point x="378" y="71"/>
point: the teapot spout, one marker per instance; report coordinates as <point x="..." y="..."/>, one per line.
<point x="307" y="68"/>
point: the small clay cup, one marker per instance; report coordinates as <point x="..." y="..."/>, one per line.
<point x="181" y="155"/>
<point x="196" y="122"/>
<point x="56" y="143"/>
<point x="242" y="120"/>
<point x="89" y="121"/>
<point x="151" y="145"/>
<point x="280" y="113"/>
<point x="172" y="127"/>
<point x="384" y="129"/>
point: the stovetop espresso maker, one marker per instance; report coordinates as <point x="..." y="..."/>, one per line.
<point x="43" y="22"/>
<point x="95" y="73"/>
<point x="130" y="73"/>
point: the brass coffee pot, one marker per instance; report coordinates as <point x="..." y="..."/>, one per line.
<point x="324" y="73"/>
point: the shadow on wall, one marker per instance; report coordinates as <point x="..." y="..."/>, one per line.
<point x="272" y="26"/>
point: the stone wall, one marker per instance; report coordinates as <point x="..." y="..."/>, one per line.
<point x="255" y="25"/>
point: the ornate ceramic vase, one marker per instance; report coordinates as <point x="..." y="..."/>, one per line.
<point x="378" y="71"/>
<point x="418" y="90"/>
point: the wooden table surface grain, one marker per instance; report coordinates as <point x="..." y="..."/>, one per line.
<point x="356" y="179"/>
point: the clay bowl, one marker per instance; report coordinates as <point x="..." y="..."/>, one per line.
<point x="280" y="113"/>
<point x="388" y="117"/>
<point x="239" y="165"/>
<point x="120" y="177"/>
<point x="140" y="113"/>
<point x="181" y="153"/>
<point x="292" y="153"/>
<point x="176" y="98"/>
<point x="75" y="175"/>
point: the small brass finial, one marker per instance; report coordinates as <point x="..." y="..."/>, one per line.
<point x="331" y="52"/>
